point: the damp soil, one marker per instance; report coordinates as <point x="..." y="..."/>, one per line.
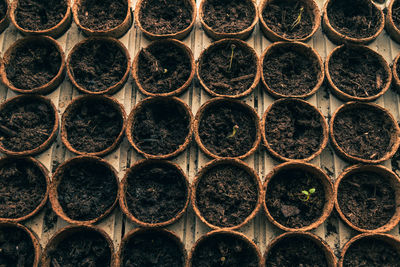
<point x="93" y="125"/>
<point x="228" y="68"/>
<point x="293" y="129"/>
<point x="102" y="15"/>
<point x="26" y="124"/>
<point x="38" y="15"/>
<point x="165" y="16"/>
<point x="396" y="13"/>
<point x="367" y="200"/>
<point x="33" y="64"/>
<point x="156" y="192"/>
<point x="289" y="19"/>
<point x="163" y="68"/>
<point x="288" y="205"/>
<point x="98" y="64"/>
<point x="152" y="248"/>
<point x="3" y="9"/>
<point x="16" y="247"/>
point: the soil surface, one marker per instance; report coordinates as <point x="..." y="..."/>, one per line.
<point x="227" y="129"/>
<point x="367" y="200"/>
<point x="289" y="72"/>
<point x="356" y="19"/>
<point x="93" y="125"/>
<point x="163" y="68"/>
<point x="38" y="15"/>
<point x="165" y="16"/>
<point x="102" y="15"/>
<point x="156" y="193"/>
<point x="396" y="13"/>
<point x="357" y="72"/>
<point x="98" y="65"/>
<point x="82" y="248"/>
<point x="371" y="252"/>
<point x="363" y="132"/>
<point x="33" y="64"/>
<point x="228" y="16"/>
<point x="87" y="190"/>
<point x="160" y="127"/>
<point x="224" y="250"/>
<point x="296" y="251"/>
<point x="288" y="205"/>
<point x="16" y="247"/>
<point x="26" y="124"/>
<point x="293" y="129"/>
<point x="289" y="19"/>
<point x="228" y="68"/>
<point x="3" y="9"/>
<point x="152" y="249"/>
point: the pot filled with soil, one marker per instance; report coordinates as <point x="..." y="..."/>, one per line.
<point x="228" y="18"/>
<point x="111" y="18"/>
<point x="28" y="125"/>
<point x="358" y="21"/>
<point x="291" y="70"/>
<point x="227" y="128"/>
<point x="224" y="248"/>
<point x="154" y="193"/>
<point x="79" y="246"/>
<point x="36" y="17"/>
<point x="364" y="132"/>
<point x="297" y="196"/>
<point x="294" y="129"/>
<point x="164" y="68"/>
<point x="370" y="249"/>
<point x="98" y="65"/>
<point x="4" y="14"/>
<point x="299" y="249"/>
<point x="161" y="19"/>
<point x="226" y="194"/>
<point x="93" y="125"/>
<point x="392" y="22"/>
<point x="396" y="73"/>
<point x="84" y="190"/>
<point x="289" y="20"/>
<point x="151" y="247"/>
<point x="33" y="65"/>
<point x="367" y="198"/>
<point x="160" y="127"/>
<point x="357" y="73"/>
<point x="228" y="68"/>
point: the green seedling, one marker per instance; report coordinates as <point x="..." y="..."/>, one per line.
<point x="234" y="131"/>
<point x="298" y="19"/>
<point x="230" y="62"/>
<point x="305" y="195"/>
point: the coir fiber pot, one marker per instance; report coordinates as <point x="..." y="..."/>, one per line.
<point x="4" y="21"/>
<point x="395" y="73"/>
<point x="391" y="27"/>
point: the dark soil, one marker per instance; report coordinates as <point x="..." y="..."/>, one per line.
<point x="156" y="193"/>
<point x="228" y="16"/>
<point x="82" y="248"/>
<point x="356" y="19"/>
<point x="288" y="205"/>
<point x="293" y="129"/>
<point x="290" y="72"/>
<point x="357" y="72"/>
<point x="226" y="78"/>
<point x="38" y="15"/>
<point x="289" y="19"/>
<point x="160" y="127"/>
<point x="396" y="163"/>
<point x="33" y="64"/>
<point x="98" y="65"/>
<point x="163" y="68"/>
<point x="165" y="16"/>
<point x="102" y="15"/>
<point x="87" y="190"/>
<point x="93" y="125"/>
<point x="226" y="195"/>
<point x="363" y="132"/>
<point x="26" y="124"/>
<point x="371" y="252"/>
<point x="152" y="249"/>
<point x="367" y="200"/>
<point x="296" y="251"/>
<point x="16" y="247"/>
<point x="224" y="250"/>
<point x="396" y="13"/>
<point x="217" y="126"/>
<point x="3" y="9"/>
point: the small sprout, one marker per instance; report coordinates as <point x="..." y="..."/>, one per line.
<point x="230" y="62"/>
<point x="234" y="131"/>
<point x="297" y="21"/>
<point x="307" y="194"/>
